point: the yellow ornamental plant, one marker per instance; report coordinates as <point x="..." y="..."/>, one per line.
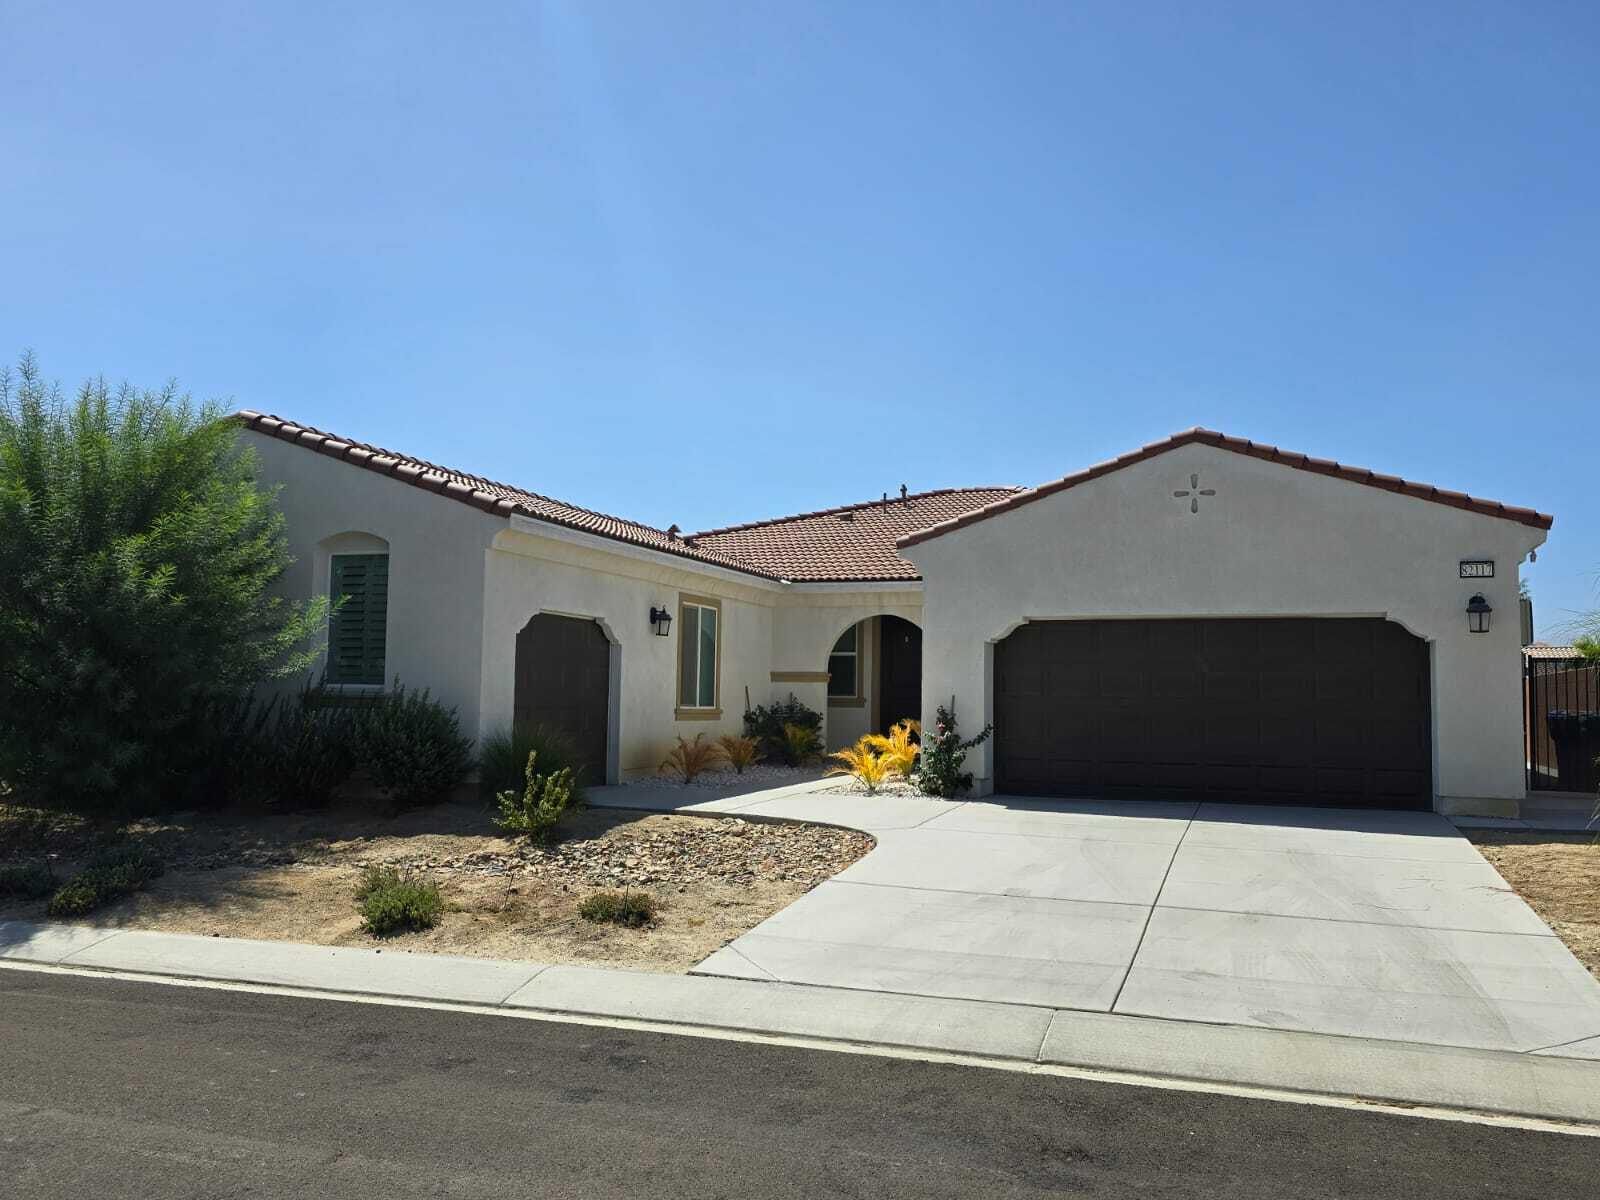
<point x="688" y="759"/>
<point x="741" y="752"/>
<point x="897" y="749"/>
<point x="863" y="764"/>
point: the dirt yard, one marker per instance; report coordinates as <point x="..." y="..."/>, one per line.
<point x="1558" y="874"/>
<point x="290" y="877"/>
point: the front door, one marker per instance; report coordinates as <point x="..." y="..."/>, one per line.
<point x="563" y="684"/>
<point x="899" y="672"/>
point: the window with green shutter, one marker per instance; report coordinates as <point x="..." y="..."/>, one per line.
<point x="357" y="631"/>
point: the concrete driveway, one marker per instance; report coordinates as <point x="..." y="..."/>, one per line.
<point x="1382" y="925"/>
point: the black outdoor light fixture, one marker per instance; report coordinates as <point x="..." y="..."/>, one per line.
<point x="1478" y="611"/>
<point x="662" y="619"/>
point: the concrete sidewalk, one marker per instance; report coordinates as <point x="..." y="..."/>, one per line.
<point x="1559" y="1089"/>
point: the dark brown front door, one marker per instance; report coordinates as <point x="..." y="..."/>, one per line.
<point x="563" y="684"/>
<point x="899" y="672"/>
<point x="1272" y="711"/>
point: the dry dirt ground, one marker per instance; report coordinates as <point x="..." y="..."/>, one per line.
<point x="1558" y="874"/>
<point x="290" y="877"/>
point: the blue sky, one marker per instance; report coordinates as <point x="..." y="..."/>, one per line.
<point x="707" y="262"/>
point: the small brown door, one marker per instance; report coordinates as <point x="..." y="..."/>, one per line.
<point x="1272" y="711"/>
<point x="899" y="672"/>
<point x="563" y="683"/>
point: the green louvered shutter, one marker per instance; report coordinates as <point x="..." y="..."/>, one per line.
<point x="357" y="631"/>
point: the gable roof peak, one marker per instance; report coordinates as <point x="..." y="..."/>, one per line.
<point x="1250" y="449"/>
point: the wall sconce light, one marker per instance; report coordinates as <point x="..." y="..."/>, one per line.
<point x="1478" y="611"/>
<point x="662" y="620"/>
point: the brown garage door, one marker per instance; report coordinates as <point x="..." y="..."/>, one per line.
<point x="1280" y="711"/>
<point x="563" y="683"/>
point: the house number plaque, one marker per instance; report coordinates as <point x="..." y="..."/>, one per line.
<point x="1477" y="568"/>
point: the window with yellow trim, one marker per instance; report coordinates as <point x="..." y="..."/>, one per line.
<point x="700" y="629"/>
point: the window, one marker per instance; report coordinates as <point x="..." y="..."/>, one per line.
<point x="699" y="627"/>
<point x="844" y="666"/>
<point x="358" y="630"/>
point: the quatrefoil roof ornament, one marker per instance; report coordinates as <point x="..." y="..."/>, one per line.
<point x="1193" y="492"/>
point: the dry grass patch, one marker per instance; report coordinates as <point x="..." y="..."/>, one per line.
<point x="291" y="877"/>
<point x="1558" y="874"/>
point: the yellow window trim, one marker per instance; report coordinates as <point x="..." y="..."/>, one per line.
<point x="692" y="712"/>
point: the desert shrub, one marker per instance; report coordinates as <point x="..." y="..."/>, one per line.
<point x="137" y="558"/>
<point x="391" y="902"/>
<point x="689" y="759"/>
<point x="413" y="747"/>
<point x="801" y="744"/>
<point x="295" y="751"/>
<point x="109" y="876"/>
<point x="740" y="752"/>
<point x="864" y="764"/>
<point x="538" y="808"/>
<point x="767" y="724"/>
<point x="632" y="909"/>
<point x="503" y="759"/>
<point x="898" y="749"/>
<point x="939" y="772"/>
<point x="29" y="881"/>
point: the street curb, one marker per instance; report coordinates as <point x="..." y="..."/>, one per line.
<point x="1282" y="1064"/>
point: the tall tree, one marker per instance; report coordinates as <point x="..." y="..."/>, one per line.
<point x="137" y="557"/>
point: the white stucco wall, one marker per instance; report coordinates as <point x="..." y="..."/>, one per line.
<point x="436" y="551"/>
<point x="527" y="572"/>
<point x="1273" y="541"/>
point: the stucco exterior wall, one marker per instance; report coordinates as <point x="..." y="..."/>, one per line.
<point x="436" y="550"/>
<point x="526" y="574"/>
<point x="1273" y="541"/>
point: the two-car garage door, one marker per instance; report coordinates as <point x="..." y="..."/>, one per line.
<point x="1279" y="711"/>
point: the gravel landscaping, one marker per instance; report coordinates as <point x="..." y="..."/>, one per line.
<point x="760" y="777"/>
<point x="292" y="877"/>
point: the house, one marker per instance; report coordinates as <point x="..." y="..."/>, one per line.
<point x="1205" y="616"/>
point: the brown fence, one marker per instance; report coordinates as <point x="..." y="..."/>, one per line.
<point x="1561" y="724"/>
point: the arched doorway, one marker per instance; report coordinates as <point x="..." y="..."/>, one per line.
<point x="563" y="683"/>
<point x="874" y="678"/>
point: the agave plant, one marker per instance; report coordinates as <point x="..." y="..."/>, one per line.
<point x="863" y="764"/>
<point x="741" y="752"/>
<point x="688" y="759"/>
<point x="897" y="749"/>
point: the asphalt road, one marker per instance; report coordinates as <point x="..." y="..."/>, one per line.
<point x="116" y="1089"/>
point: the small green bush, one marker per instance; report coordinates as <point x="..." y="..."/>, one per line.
<point x="539" y="807"/>
<point x="391" y="902"/>
<point x="29" y="881"/>
<point x="413" y="747"/>
<point x="503" y="759"/>
<point x="940" y="768"/>
<point x="766" y="723"/>
<point x="107" y="877"/>
<point x="632" y="909"/>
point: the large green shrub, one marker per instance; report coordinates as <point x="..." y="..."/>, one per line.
<point x="413" y="747"/>
<point x="295" y="751"/>
<point x="767" y="723"/>
<point x="136" y="560"/>
<point x="30" y="881"/>
<point x="503" y="759"/>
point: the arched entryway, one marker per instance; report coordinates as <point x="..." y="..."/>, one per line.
<point x="563" y="683"/>
<point x="874" y="678"/>
<point x="1324" y="711"/>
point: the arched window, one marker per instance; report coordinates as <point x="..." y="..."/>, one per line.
<point x="844" y="666"/>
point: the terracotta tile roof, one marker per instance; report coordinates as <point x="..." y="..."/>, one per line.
<point x="853" y="543"/>
<point x="1287" y="458"/>
<point x="1546" y="650"/>
<point x="499" y="498"/>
